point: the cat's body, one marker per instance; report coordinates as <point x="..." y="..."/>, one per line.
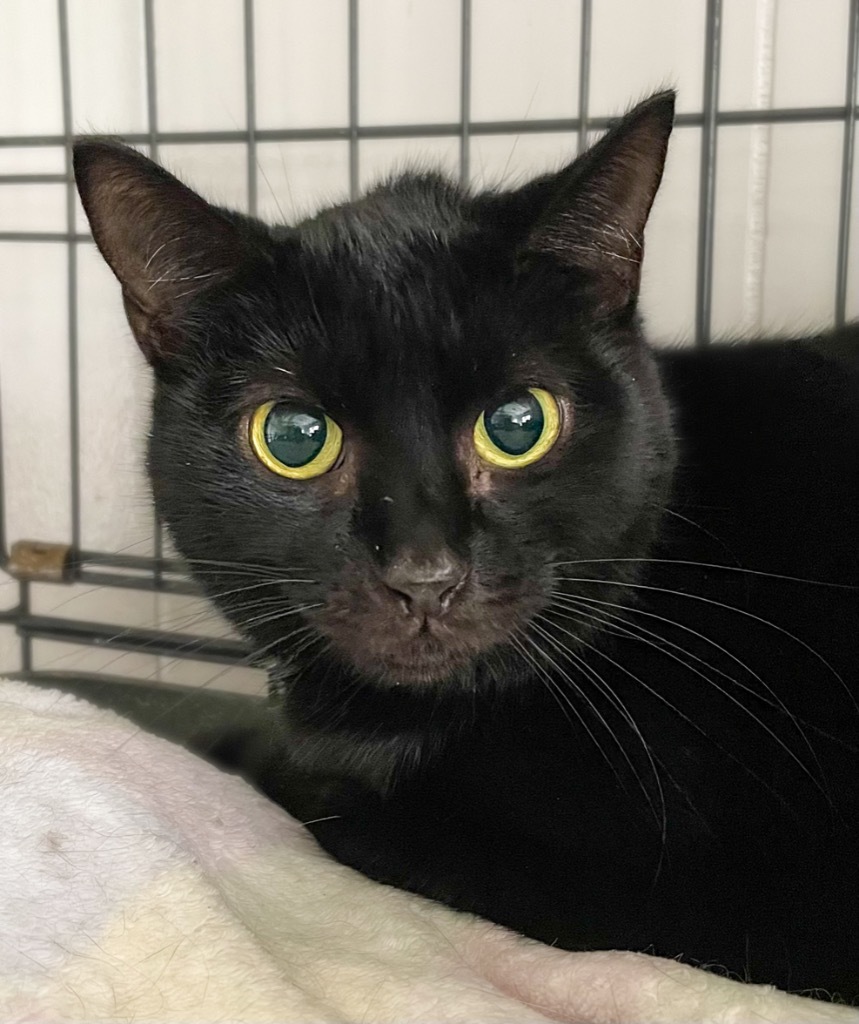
<point x="606" y="696"/>
<point x="732" y="839"/>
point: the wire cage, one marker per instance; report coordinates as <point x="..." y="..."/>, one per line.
<point x="69" y="566"/>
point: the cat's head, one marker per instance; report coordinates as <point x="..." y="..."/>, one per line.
<point x="378" y="432"/>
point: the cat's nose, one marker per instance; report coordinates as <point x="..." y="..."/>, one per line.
<point x="426" y="586"/>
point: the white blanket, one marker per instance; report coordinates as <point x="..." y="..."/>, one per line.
<point x="138" y="883"/>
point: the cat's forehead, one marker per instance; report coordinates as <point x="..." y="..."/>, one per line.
<point x="384" y="288"/>
<point x="380" y="328"/>
<point x="383" y="238"/>
<point x="407" y="299"/>
<point x="393" y="219"/>
<point x="395" y="325"/>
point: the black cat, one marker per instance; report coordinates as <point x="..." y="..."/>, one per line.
<point x="566" y="630"/>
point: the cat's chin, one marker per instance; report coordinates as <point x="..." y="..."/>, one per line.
<point x="416" y="664"/>
<point x="381" y="645"/>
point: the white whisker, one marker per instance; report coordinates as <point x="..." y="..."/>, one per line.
<point x="604" y="688"/>
<point x="776" y="703"/>
<point x="726" y="607"/>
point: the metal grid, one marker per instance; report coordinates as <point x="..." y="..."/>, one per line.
<point x="165" y="575"/>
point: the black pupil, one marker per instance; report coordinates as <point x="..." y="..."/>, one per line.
<point x="515" y="427"/>
<point x="295" y="436"/>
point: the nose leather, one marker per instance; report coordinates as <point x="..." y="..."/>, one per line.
<point x="426" y="585"/>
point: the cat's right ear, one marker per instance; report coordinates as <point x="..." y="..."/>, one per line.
<point x="162" y="241"/>
<point x="589" y="218"/>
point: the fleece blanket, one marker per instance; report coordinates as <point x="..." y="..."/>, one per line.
<point x="138" y="883"/>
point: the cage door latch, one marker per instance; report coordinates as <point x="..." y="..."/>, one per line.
<point x="38" y="561"/>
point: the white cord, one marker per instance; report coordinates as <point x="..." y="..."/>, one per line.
<point x="760" y="156"/>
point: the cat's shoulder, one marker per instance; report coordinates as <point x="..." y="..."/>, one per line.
<point x="777" y="411"/>
<point x="769" y="368"/>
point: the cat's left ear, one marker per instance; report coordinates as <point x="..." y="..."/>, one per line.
<point x="594" y="211"/>
<point x="164" y="243"/>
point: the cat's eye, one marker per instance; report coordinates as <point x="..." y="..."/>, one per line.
<point x="519" y="431"/>
<point x="295" y="441"/>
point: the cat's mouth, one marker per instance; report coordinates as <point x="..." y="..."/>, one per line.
<point x="392" y="649"/>
<point x="423" y="659"/>
<point x="430" y="651"/>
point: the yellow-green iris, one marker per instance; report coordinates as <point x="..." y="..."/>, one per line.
<point x="294" y="441"/>
<point x="520" y="431"/>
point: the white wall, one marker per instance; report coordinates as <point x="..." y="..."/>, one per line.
<point x="777" y="192"/>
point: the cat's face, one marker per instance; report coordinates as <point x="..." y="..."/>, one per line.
<point x="376" y="434"/>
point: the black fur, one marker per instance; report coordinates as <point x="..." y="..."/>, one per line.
<point x="636" y="725"/>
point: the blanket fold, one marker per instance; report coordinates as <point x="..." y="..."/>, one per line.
<point x="139" y="883"/>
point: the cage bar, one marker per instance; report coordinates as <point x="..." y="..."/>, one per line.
<point x="72" y="277"/>
<point x="26" y="640"/>
<point x="465" y="93"/>
<point x="152" y="123"/>
<point x="4" y="545"/>
<point x="158" y="642"/>
<point x="848" y="158"/>
<point x="784" y="115"/>
<point x="707" y="187"/>
<point x="251" y="105"/>
<point x="151" y="81"/>
<point x="356" y="132"/>
<point x="353" y="133"/>
<point x="585" y="29"/>
<point x="44" y="236"/>
<point x="34" y="179"/>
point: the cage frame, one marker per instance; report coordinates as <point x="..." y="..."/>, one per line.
<point x="33" y="561"/>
